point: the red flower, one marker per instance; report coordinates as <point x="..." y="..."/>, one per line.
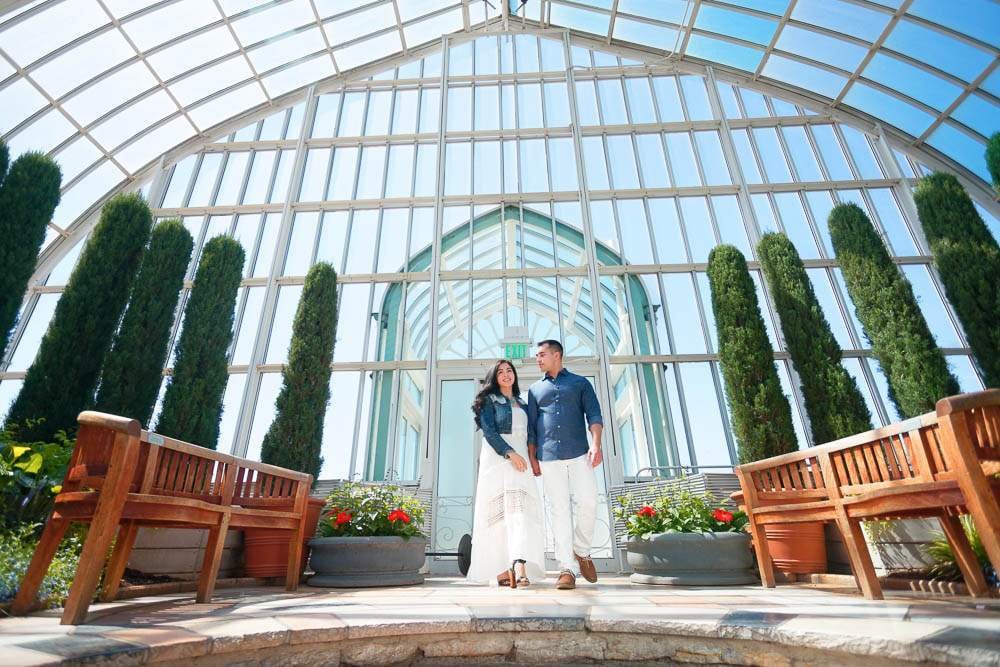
<point x="646" y="511"/>
<point x="342" y="518"/>
<point x="399" y="515"/>
<point x="722" y="515"/>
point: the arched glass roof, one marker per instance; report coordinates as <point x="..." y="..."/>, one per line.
<point x="108" y="86"/>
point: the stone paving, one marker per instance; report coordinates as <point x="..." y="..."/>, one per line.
<point x="447" y="621"/>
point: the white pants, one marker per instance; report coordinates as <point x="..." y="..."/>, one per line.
<point x="573" y="533"/>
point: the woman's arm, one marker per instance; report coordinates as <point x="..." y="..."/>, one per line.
<point x="488" y="423"/>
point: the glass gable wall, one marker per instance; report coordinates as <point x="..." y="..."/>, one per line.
<point x="523" y="180"/>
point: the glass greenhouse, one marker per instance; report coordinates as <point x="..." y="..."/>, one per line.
<point x="484" y="175"/>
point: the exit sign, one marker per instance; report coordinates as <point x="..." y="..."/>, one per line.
<point x="515" y="350"/>
<point x="515" y="343"/>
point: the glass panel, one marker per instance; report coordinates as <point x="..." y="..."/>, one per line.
<point x="682" y="162"/>
<point x="456" y="472"/>
<point x="704" y="414"/>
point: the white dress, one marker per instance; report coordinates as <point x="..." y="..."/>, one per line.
<point x="508" y="512"/>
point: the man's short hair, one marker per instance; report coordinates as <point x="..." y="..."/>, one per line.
<point x="553" y="345"/>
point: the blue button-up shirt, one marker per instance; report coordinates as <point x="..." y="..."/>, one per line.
<point x="560" y="410"/>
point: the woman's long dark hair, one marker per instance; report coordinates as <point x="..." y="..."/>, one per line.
<point x="491" y="386"/>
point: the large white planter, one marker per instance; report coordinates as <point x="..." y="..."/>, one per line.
<point x="178" y="552"/>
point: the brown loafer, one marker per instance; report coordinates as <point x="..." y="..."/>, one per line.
<point x="566" y="581"/>
<point x="587" y="568"/>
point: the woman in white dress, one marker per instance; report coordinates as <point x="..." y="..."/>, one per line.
<point x="508" y="536"/>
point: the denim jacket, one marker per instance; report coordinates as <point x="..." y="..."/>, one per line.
<point x="497" y="417"/>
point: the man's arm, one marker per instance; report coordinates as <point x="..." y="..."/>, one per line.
<point x="592" y="411"/>
<point x="533" y="434"/>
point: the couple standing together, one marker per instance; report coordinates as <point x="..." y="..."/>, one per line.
<point x="546" y="437"/>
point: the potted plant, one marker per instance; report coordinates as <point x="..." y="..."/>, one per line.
<point x="370" y="536"/>
<point x="686" y="539"/>
<point x="295" y="438"/>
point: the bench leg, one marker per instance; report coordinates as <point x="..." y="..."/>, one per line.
<point x="294" y="570"/>
<point x="119" y="559"/>
<point x="213" y="556"/>
<point x="45" y="551"/>
<point x="764" y="562"/>
<point x="861" y="560"/>
<point x="967" y="561"/>
<point x="985" y="512"/>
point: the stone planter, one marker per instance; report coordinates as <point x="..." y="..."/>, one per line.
<point x="179" y="552"/>
<point x="692" y="559"/>
<point x="356" y="562"/>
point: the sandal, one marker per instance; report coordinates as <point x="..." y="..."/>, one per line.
<point x="508" y="577"/>
<point x="521" y="581"/>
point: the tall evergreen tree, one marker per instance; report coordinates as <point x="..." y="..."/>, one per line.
<point x="28" y="197"/>
<point x="993" y="158"/>
<point x="133" y="370"/>
<point x="295" y="438"/>
<point x="61" y="381"/>
<point x="833" y="401"/>
<point x="762" y="417"/>
<point x="192" y="405"/>
<point x="884" y="303"/>
<point x="968" y="261"/>
<point x="4" y="160"/>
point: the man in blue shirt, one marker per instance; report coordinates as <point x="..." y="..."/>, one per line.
<point x="558" y="406"/>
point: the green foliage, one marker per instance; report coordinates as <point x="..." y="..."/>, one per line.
<point x="61" y="381"/>
<point x="192" y="405"/>
<point x="295" y="438"/>
<point x="833" y="402"/>
<point x="17" y="545"/>
<point x="946" y="567"/>
<point x="762" y="417"/>
<point x="133" y="370"/>
<point x="993" y="158"/>
<point x="28" y="197"/>
<point x="678" y="511"/>
<point x="31" y="474"/>
<point x="4" y="160"/>
<point x="371" y="510"/>
<point x="884" y="303"/>
<point x="968" y="261"/>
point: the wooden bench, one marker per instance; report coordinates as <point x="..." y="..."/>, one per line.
<point x="939" y="465"/>
<point x="121" y="477"/>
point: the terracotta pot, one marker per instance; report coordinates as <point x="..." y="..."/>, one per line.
<point x="265" y="551"/>
<point x="798" y="548"/>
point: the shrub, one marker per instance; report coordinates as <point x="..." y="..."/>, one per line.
<point x="28" y="197"/>
<point x="761" y="415"/>
<point x="31" y="475"/>
<point x="884" y="303"/>
<point x="371" y="510"/>
<point x="295" y="438"/>
<point x="946" y="567"/>
<point x="833" y="401"/>
<point x="678" y="512"/>
<point x="192" y="405"/>
<point x="17" y="545"/>
<point x="4" y="161"/>
<point x="968" y="261"/>
<point x="62" y="379"/>
<point x="993" y="159"/>
<point x="133" y="370"/>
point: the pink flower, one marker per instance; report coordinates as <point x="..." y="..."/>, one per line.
<point x="646" y="511"/>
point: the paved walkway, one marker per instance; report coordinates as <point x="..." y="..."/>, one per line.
<point x="447" y="621"/>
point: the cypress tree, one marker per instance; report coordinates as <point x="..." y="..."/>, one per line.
<point x="993" y="159"/>
<point x="833" y="402"/>
<point x="192" y="405"/>
<point x="4" y="160"/>
<point x="295" y="438"/>
<point x="133" y="370"/>
<point x="762" y="417"/>
<point x="968" y="261"/>
<point x="28" y="197"/>
<point x="61" y="381"/>
<point x="884" y="303"/>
